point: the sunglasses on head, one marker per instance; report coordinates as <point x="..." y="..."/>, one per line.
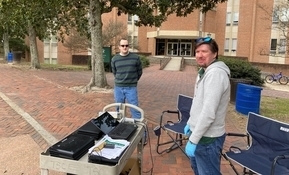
<point x="124" y="45"/>
<point x="205" y="39"/>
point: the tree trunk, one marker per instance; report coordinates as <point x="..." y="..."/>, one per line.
<point x="33" y="47"/>
<point x="6" y="45"/>
<point x="98" y="73"/>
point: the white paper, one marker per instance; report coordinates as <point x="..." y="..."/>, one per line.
<point x="109" y="153"/>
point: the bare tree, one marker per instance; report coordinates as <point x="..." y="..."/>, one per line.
<point x="113" y="32"/>
<point x="76" y="43"/>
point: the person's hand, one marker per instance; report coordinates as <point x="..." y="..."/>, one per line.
<point x="190" y="149"/>
<point x="187" y="130"/>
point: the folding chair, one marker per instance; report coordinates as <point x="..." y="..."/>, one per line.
<point x="268" y="150"/>
<point x="176" y="128"/>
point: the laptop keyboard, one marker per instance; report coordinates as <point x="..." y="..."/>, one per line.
<point x="119" y="130"/>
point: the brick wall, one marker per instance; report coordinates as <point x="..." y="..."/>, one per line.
<point x="272" y="68"/>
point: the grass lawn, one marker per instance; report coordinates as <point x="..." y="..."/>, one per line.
<point x="271" y="107"/>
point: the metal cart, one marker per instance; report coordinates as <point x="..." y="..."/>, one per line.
<point x="83" y="167"/>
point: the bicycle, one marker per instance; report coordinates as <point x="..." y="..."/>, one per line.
<point x="278" y="78"/>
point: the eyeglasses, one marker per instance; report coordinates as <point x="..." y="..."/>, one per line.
<point x="205" y="39"/>
<point x="124" y="45"/>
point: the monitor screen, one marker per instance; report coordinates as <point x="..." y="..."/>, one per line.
<point x="105" y="122"/>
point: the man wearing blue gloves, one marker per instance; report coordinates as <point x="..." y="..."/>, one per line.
<point x="206" y="125"/>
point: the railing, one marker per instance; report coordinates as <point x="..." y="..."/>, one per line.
<point x="164" y="61"/>
<point x="182" y="67"/>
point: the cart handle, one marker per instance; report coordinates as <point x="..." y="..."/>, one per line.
<point x="122" y="107"/>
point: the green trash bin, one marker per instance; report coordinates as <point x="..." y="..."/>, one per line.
<point x="234" y="84"/>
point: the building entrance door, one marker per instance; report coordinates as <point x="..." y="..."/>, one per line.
<point x="185" y="49"/>
<point x="173" y="48"/>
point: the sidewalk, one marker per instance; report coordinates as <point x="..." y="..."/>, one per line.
<point x="38" y="108"/>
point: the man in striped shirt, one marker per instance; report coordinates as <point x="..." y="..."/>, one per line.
<point x="127" y="70"/>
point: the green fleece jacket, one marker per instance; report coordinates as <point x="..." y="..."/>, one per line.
<point x="211" y="99"/>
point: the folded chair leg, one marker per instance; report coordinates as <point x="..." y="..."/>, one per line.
<point x="157" y="131"/>
<point x="177" y="143"/>
<point x="232" y="166"/>
<point x="174" y="146"/>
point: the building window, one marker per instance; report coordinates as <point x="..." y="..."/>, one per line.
<point x="234" y="45"/>
<point x="275" y="17"/>
<point x="273" y="46"/>
<point x="236" y="18"/>
<point x="282" y="46"/>
<point x="227" y="45"/>
<point x="132" y="17"/>
<point x="133" y="43"/>
<point x="228" y="19"/>
<point x="280" y="15"/>
<point x="284" y="15"/>
<point x="50" y="50"/>
<point x="160" y="46"/>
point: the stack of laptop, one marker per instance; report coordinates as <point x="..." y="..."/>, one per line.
<point x="73" y="146"/>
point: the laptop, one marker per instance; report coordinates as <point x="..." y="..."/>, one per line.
<point x="113" y="128"/>
<point x="74" y="146"/>
<point x="90" y="129"/>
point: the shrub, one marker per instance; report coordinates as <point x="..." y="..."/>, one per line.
<point x="241" y="69"/>
<point x="145" y="61"/>
<point x="18" y="44"/>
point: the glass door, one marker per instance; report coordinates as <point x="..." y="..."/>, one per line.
<point x="185" y="49"/>
<point x="173" y="48"/>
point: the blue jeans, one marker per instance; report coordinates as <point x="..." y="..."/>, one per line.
<point x="129" y="94"/>
<point x="207" y="160"/>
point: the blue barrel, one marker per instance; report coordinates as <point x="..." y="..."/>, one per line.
<point x="10" y="57"/>
<point x="248" y="98"/>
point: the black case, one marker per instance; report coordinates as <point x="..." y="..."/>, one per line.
<point x="73" y="146"/>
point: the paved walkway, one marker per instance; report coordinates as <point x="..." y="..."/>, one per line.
<point x="38" y="108"/>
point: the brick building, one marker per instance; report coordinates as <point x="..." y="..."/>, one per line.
<point x="239" y="28"/>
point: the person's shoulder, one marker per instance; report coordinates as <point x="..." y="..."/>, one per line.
<point x="217" y="64"/>
<point x="219" y="68"/>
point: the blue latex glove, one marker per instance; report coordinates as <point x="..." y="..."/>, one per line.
<point x="190" y="149"/>
<point x="187" y="130"/>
